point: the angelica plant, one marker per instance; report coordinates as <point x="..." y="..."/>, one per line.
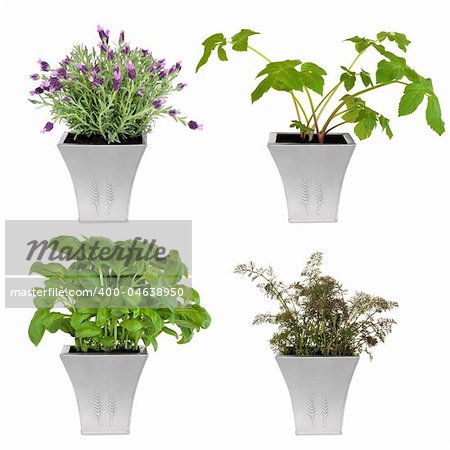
<point x="308" y="79"/>
<point x="315" y="316"/>
<point x="111" y="93"/>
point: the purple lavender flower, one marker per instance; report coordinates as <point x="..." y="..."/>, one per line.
<point x="181" y="86"/>
<point x="121" y="36"/>
<point x="131" y="71"/>
<point x="110" y="54"/>
<point x="65" y="61"/>
<point x="66" y="98"/>
<point x="160" y="64"/>
<point x="152" y="69"/>
<point x="61" y="72"/>
<point x="38" y="90"/>
<point x="104" y="34"/>
<point x="174" y="112"/>
<point x="103" y="47"/>
<point x="175" y="68"/>
<point x="162" y="74"/>
<point x="140" y="93"/>
<point x="126" y="49"/>
<point x="145" y="52"/>
<point x="45" y="66"/>
<point x="117" y="78"/>
<point x="157" y="103"/>
<point x="95" y="70"/>
<point x="34" y="76"/>
<point x="54" y="85"/>
<point x="82" y="67"/>
<point x="48" y="127"/>
<point x="193" y="125"/>
<point x="96" y="81"/>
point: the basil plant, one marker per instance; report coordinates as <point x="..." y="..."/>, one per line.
<point x="113" y="296"/>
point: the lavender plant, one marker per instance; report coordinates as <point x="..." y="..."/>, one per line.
<point x="315" y="318"/>
<point x="293" y="76"/>
<point x="110" y="94"/>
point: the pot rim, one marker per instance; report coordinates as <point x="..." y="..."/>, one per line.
<point x="280" y="356"/>
<point x="65" y="134"/>
<point x="347" y="136"/>
<point x="66" y="352"/>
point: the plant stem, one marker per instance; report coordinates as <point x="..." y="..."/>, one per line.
<point x="335" y="126"/>
<point x="330" y="94"/>
<point x="311" y="104"/>
<point x="350" y="97"/>
<point x="259" y="53"/>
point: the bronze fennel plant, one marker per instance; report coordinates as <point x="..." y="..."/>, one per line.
<point x="315" y="318"/>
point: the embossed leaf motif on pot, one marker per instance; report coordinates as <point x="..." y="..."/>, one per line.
<point x="110" y="98"/>
<point x="316" y="151"/>
<point x="114" y="299"/>
<point x="321" y="333"/>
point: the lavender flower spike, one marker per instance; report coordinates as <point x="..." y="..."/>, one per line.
<point x="82" y="67"/>
<point x="174" y="112"/>
<point x="193" y="125"/>
<point x="48" y="127"/>
<point x="117" y="79"/>
<point x="140" y="93"/>
<point x="103" y="34"/>
<point x="45" y="66"/>
<point x="121" y="37"/>
<point x="34" y="76"/>
<point x="181" y="86"/>
<point x="131" y="71"/>
<point x="157" y="103"/>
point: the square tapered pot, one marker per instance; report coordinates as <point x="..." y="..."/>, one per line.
<point x="104" y="385"/>
<point x="318" y="388"/>
<point x="312" y="174"/>
<point x="103" y="177"/>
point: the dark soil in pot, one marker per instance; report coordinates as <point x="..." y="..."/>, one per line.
<point x="294" y="138"/>
<point x="100" y="140"/>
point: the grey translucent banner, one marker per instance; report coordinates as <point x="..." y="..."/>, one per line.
<point x="92" y="265"/>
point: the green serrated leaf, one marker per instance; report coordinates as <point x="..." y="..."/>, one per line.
<point x="240" y="40"/>
<point x="433" y="115"/>
<point x="399" y="38"/>
<point x="412" y="97"/>
<point x="367" y="123"/>
<point x="349" y="80"/>
<point x="311" y="76"/>
<point x="366" y="78"/>
<point x="389" y="71"/>
<point x="222" y="54"/>
<point x="209" y="45"/>
<point x="384" y="122"/>
<point x="281" y="76"/>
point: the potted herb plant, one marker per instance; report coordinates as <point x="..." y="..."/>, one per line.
<point x="312" y="161"/>
<point x="118" y="298"/>
<point x="109" y="98"/>
<point x="320" y="336"/>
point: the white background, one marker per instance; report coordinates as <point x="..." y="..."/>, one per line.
<point x="224" y="389"/>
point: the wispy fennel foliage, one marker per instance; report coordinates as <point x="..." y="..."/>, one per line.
<point x="315" y="317"/>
